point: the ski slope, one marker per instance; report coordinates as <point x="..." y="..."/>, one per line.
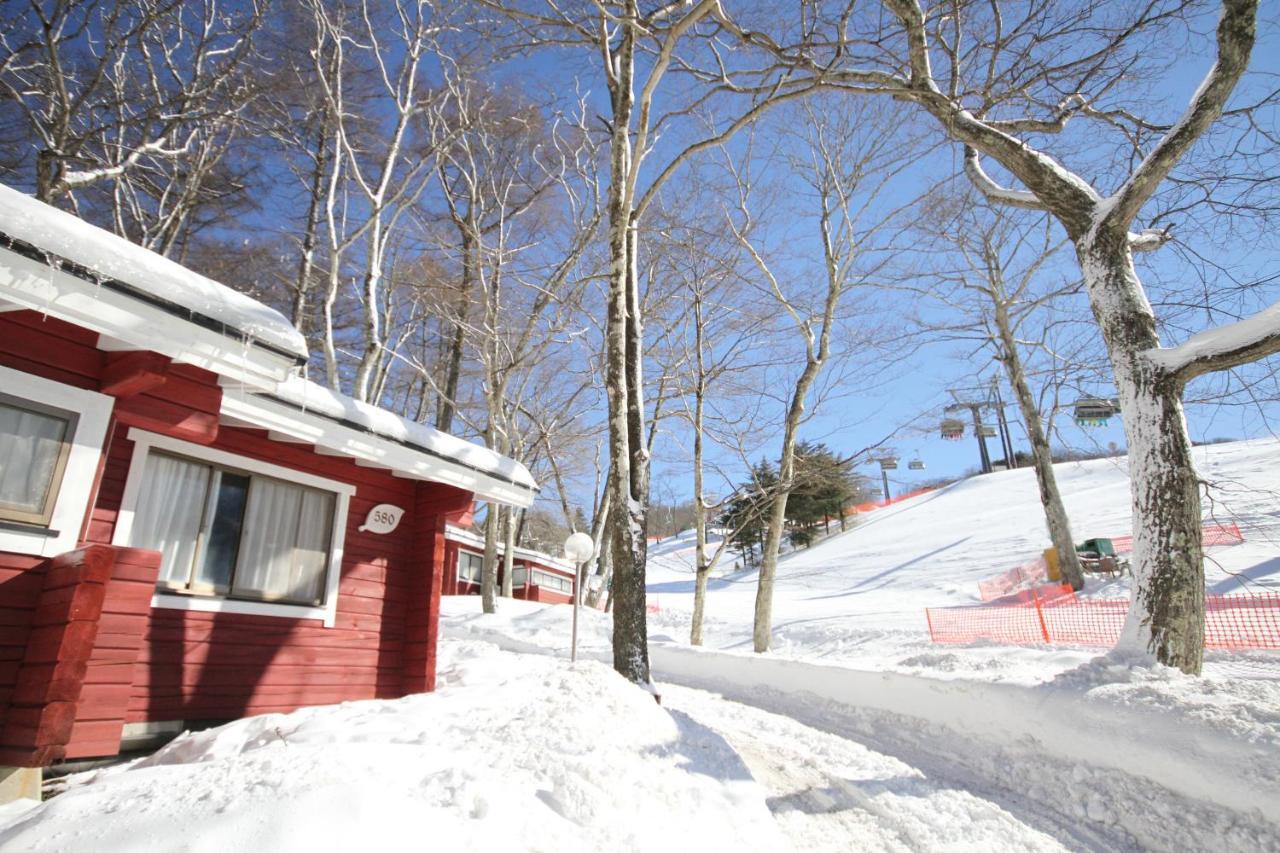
<point x="858" y="597"/>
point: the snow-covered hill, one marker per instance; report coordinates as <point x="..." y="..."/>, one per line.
<point x="859" y="596"/>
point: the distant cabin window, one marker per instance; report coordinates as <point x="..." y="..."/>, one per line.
<point x="519" y="577"/>
<point x="546" y="580"/>
<point x="235" y="534"/>
<point x="35" y="441"/>
<point x="469" y="566"/>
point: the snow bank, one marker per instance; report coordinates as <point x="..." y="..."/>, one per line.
<point x="514" y="752"/>
<point x="1111" y="749"/>
<point x="1121" y="757"/>
<point x="102" y="252"/>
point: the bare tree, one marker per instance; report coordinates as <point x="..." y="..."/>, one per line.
<point x="1004" y="83"/>
<point x="997" y="280"/>
<point x="129" y="108"/>
<point x="844" y="161"/>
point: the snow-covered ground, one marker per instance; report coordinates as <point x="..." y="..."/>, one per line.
<point x="859" y="597"/>
<point x="855" y="734"/>
<point x="513" y="752"/>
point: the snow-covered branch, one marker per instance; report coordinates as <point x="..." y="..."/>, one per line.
<point x="1222" y="348"/>
<point x="992" y="190"/>
<point x="1148" y="239"/>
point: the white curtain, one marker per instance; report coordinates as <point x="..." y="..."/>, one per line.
<point x="284" y="548"/>
<point x="30" y="443"/>
<point x="169" y="513"/>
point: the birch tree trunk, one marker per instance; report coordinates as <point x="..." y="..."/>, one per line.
<point x="1054" y="513"/>
<point x="629" y="499"/>
<point x="489" y="566"/>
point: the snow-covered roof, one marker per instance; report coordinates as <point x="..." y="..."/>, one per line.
<point x="316" y="414"/>
<point x="55" y="263"/>
<point x="28" y="226"/>
<point x="463" y="536"/>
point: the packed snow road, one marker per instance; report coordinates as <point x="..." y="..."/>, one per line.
<point x="830" y="793"/>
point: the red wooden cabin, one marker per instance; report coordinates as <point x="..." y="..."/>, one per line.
<point x="535" y="576"/>
<point x="189" y="531"/>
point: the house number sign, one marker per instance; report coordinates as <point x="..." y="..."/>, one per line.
<point x="383" y="518"/>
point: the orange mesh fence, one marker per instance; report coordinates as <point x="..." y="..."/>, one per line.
<point x="1016" y="578"/>
<point x="1053" y="614"/>
<point x="1021" y="577"/>
<point x="873" y="505"/>
<point x="1211" y="535"/>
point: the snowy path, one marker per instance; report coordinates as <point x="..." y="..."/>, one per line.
<point x="830" y="793"/>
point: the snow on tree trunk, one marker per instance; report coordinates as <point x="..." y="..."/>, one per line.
<point x="626" y="454"/>
<point x="1166" y="615"/>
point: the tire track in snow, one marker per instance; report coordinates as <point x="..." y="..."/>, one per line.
<point x="831" y="793"/>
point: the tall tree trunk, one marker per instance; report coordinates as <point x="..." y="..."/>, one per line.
<point x="448" y="405"/>
<point x="1055" y="513"/>
<point x="1166" y="614"/>
<point x="599" y="529"/>
<point x="508" y="551"/>
<point x="627" y="455"/>
<point x="701" y="570"/>
<point x="489" y="567"/>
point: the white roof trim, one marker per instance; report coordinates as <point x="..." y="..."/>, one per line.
<point x="103" y="255"/>
<point x="447" y="459"/>
<point x="128" y="323"/>
<point x="462" y="536"/>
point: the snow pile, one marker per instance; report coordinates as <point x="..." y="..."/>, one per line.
<point x="106" y="254"/>
<point x="1113" y="754"/>
<point x="513" y="752"/>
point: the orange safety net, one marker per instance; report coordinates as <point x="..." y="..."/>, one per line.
<point x="1052" y="614"/>
<point x="1016" y="578"/>
<point x="1034" y="572"/>
<point x="1210" y="536"/>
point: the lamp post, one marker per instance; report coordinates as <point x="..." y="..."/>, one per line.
<point x="578" y="548"/>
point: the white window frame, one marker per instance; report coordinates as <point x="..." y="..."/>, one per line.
<point x="463" y="578"/>
<point x="93" y="411"/>
<point x="144" y="442"/>
<point x="535" y="574"/>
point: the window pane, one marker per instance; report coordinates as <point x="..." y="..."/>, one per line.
<point x="284" y="549"/>
<point x="519" y="576"/>
<point x="31" y="443"/>
<point x="224" y="532"/>
<point x="169" y="513"/>
<point x="311" y="557"/>
<point x="470" y="566"/>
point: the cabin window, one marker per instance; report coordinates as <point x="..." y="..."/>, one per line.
<point x="233" y="533"/>
<point x="35" y="441"/>
<point x="519" y="576"/>
<point x="469" y="566"/>
<point x="546" y="580"/>
<point x="51" y="438"/>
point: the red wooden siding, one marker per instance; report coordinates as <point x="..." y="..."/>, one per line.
<point x="63" y="629"/>
<point x="166" y="664"/>
<point x="453" y="585"/>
